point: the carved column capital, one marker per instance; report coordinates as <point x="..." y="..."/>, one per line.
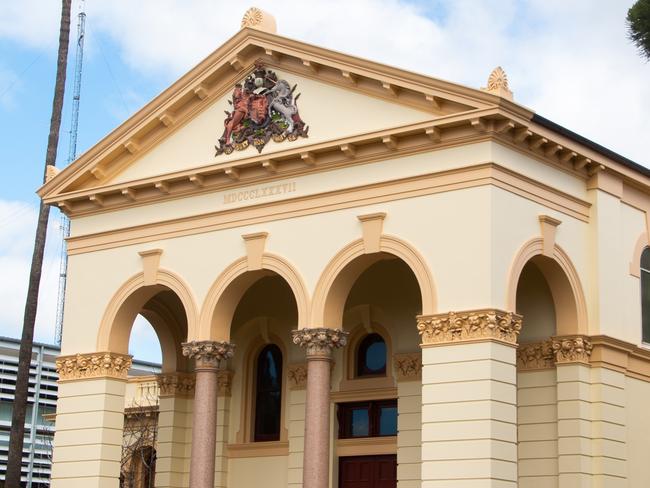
<point x="408" y="366"/>
<point x="176" y="384"/>
<point x="556" y="350"/>
<point x="93" y="365"/>
<point x="319" y="342"/>
<point x="208" y="354"/>
<point x="297" y="375"/>
<point x="571" y="349"/>
<point x="469" y="326"/>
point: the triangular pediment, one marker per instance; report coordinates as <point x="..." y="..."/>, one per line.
<point x="342" y="97"/>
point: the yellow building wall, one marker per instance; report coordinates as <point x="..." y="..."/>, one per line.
<point x="637" y="430"/>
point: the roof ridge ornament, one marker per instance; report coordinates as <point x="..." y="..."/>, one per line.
<point x="498" y="83"/>
<point x="256" y="18"/>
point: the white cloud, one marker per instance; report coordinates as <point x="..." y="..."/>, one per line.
<point x="18" y="223"/>
<point x="569" y="61"/>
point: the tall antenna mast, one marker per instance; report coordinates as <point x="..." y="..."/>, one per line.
<point x="72" y="154"/>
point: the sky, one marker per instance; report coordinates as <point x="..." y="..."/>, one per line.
<point x="570" y="61"/>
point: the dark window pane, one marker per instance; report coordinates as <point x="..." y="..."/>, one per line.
<point x="359" y="423"/>
<point x="388" y="420"/>
<point x="645" y="305"/>
<point x="268" y="394"/>
<point x="645" y="259"/>
<point x="371" y="356"/>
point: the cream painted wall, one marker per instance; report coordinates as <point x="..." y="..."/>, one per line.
<point x="330" y="112"/>
<point x="535" y="303"/>
<point x="638" y="432"/>
<point x="268" y="472"/>
<point x="342" y="178"/>
<point x="632" y="227"/>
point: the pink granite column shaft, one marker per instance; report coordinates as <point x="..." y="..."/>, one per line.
<point x="319" y="344"/>
<point x="208" y="356"/>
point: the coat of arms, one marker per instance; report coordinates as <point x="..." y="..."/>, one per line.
<point x="264" y="108"/>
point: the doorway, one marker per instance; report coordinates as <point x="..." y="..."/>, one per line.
<point x="368" y="472"/>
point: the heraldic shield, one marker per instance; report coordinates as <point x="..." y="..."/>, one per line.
<point x="264" y="108"/>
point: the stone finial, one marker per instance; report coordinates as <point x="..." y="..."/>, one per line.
<point x="320" y="341"/>
<point x="498" y="83"/>
<point x="208" y="354"/>
<point x="256" y="18"/>
<point x="50" y="172"/>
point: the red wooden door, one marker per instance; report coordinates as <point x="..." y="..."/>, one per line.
<point x="368" y="472"/>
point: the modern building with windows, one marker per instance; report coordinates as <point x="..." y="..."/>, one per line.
<point x="141" y="394"/>
<point x="359" y="277"/>
<point x="39" y="431"/>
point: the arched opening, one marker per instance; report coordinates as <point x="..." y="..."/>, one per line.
<point x="371" y="356"/>
<point x="645" y="295"/>
<point x="535" y="304"/>
<point x="268" y="394"/>
<point x="261" y="325"/>
<point x="376" y="298"/>
<point x="548" y="303"/>
<point x="150" y="323"/>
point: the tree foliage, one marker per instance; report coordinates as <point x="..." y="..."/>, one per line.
<point x="638" y="21"/>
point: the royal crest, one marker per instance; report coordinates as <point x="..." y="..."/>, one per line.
<point x="263" y="108"/>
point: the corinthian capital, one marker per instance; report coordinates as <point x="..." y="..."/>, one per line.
<point x="469" y="326"/>
<point x="208" y="354"/>
<point x="571" y="349"/>
<point x="93" y="365"/>
<point x="319" y="341"/>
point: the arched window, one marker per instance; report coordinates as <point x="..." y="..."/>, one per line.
<point x="268" y="394"/>
<point x="645" y="294"/>
<point x="371" y="356"/>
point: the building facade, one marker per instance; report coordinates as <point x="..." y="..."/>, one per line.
<point x="41" y="404"/>
<point x="359" y="277"/>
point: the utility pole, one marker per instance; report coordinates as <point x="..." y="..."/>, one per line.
<point x="72" y="154"/>
<point x="17" y="436"/>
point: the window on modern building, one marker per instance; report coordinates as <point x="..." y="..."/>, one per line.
<point x="268" y="394"/>
<point x="367" y="419"/>
<point x="371" y="356"/>
<point x="645" y="294"/>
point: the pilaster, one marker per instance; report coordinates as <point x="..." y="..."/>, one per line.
<point x="469" y="417"/>
<point x="90" y="420"/>
<point x="408" y="369"/>
<point x="174" y="429"/>
<point x="297" y="376"/>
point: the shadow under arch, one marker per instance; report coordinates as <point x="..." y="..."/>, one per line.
<point x="342" y="271"/>
<point x="226" y="292"/>
<point x="168" y="305"/>
<point x="563" y="282"/>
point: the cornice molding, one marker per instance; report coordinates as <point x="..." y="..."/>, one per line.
<point x="452" y="130"/>
<point x="426" y="184"/>
<point x="469" y="326"/>
<point x="93" y="365"/>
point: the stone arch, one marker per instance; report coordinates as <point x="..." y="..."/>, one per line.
<point x="134" y="297"/>
<point x="226" y="292"/>
<point x="635" y="263"/>
<point x="340" y="274"/>
<point x="563" y="281"/>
